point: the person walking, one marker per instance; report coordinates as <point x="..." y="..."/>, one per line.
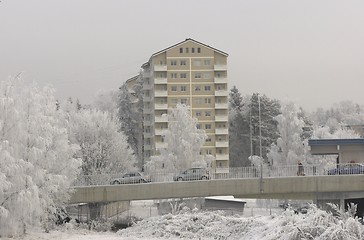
<point x="301" y="171"/>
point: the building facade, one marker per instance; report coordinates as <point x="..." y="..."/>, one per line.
<point x="194" y="74"/>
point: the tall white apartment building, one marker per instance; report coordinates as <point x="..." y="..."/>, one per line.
<point x="194" y="74"/>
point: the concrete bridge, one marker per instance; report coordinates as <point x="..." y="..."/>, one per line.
<point x="335" y="187"/>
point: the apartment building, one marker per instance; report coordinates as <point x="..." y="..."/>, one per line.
<point x="194" y="74"/>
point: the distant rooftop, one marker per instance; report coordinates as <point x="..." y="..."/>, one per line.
<point x="325" y="142"/>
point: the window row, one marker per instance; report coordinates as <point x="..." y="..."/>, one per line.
<point x="207" y="127"/>
<point x="196" y="88"/>
<point x="196" y="62"/>
<point x="197" y="75"/>
<point x="187" y="50"/>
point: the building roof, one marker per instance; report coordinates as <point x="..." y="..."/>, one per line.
<point x="326" y="142"/>
<point x="187" y="40"/>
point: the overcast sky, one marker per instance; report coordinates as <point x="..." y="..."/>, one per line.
<point x="309" y="51"/>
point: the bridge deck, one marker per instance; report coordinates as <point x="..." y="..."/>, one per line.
<point x="298" y="187"/>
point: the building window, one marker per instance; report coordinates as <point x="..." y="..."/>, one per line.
<point x="208" y="114"/>
<point x="208" y="139"/>
<point x="173" y="75"/>
<point x="183" y="88"/>
<point x="207" y="100"/>
<point x="193" y="50"/>
<point x="183" y="75"/>
<point x="173" y="88"/>
<point x="208" y="126"/>
<point x="197" y="88"/>
<point x="199" y="50"/>
<point x="198" y="114"/>
<point x="183" y="62"/>
<point x="206" y="62"/>
<point x="208" y="151"/>
<point x="206" y="75"/>
<point x="173" y="62"/>
<point x="197" y="75"/>
<point x="198" y="101"/>
<point x="186" y="50"/>
<point x="184" y="101"/>
<point x="197" y="62"/>
<point x="198" y="126"/>
<point x="180" y="50"/>
<point x="174" y="101"/>
<point x="207" y="88"/>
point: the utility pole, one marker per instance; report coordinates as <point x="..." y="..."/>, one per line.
<point x="260" y="128"/>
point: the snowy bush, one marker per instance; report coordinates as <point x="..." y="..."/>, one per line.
<point x="192" y="224"/>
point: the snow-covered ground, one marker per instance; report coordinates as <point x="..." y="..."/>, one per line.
<point x="256" y="223"/>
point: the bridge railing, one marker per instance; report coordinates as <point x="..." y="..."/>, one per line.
<point x="263" y="171"/>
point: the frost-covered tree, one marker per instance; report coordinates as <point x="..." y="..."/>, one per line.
<point x="104" y="150"/>
<point x="183" y="142"/>
<point x="290" y="146"/>
<point x="106" y="101"/>
<point x="36" y="159"/>
<point x="345" y="113"/>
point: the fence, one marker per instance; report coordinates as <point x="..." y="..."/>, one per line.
<point x="263" y="171"/>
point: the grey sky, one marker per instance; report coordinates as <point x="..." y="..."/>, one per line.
<point x="309" y="51"/>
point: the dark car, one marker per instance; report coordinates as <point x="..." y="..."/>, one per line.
<point x="350" y="168"/>
<point x="192" y="174"/>
<point x="131" y="177"/>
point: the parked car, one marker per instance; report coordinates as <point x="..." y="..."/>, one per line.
<point x="302" y="210"/>
<point x="350" y="168"/>
<point x="132" y="177"/>
<point x="192" y="174"/>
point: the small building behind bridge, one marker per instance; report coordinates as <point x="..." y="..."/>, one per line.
<point x="347" y="150"/>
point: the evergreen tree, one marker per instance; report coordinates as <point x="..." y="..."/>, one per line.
<point x="130" y="114"/>
<point x="263" y="123"/>
<point x="239" y="132"/>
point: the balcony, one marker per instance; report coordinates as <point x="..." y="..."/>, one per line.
<point x="147" y="99"/>
<point x="147" y="135"/>
<point x="221" y="118"/>
<point x="147" y="86"/>
<point x="221" y="131"/>
<point x="160" y="68"/>
<point x="159" y="145"/>
<point x="221" y="157"/>
<point x="147" y="123"/>
<point x="221" y="93"/>
<point x="160" y="81"/>
<point x="161" y="106"/>
<point x="220" y="80"/>
<point x="160" y="93"/>
<point x="220" y="67"/>
<point x="146" y="74"/>
<point x="147" y="147"/>
<point x="222" y="144"/>
<point x="163" y="118"/>
<point x="159" y="131"/>
<point x="147" y="111"/>
<point x="221" y="105"/>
